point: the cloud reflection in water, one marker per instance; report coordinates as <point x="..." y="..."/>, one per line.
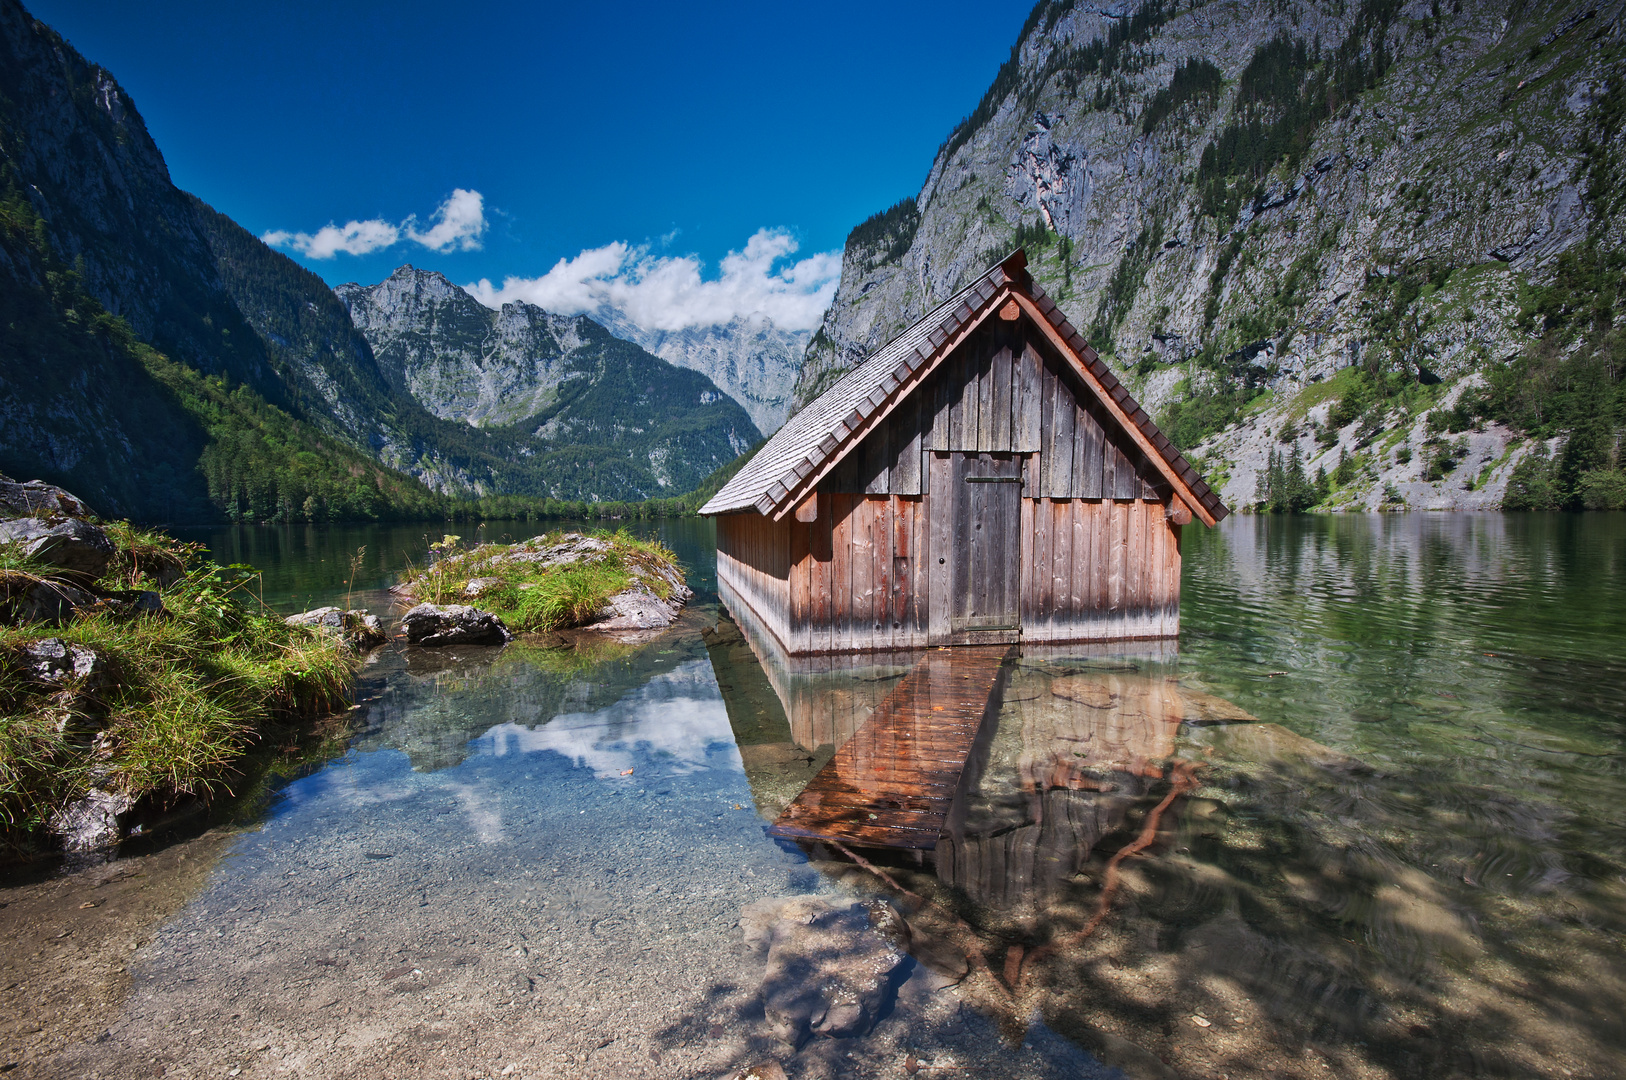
<point x="677" y="718"/>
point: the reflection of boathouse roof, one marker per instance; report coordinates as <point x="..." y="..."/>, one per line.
<point x="813" y="440"/>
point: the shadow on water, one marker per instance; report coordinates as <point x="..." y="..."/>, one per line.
<point x="1400" y="853"/>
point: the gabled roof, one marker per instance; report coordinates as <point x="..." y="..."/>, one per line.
<point x="814" y="440"/>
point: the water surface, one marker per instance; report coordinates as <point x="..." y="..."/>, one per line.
<point x="1404" y="852"/>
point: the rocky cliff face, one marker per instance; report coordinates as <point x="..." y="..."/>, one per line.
<point x="1313" y="226"/>
<point x="555" y="384"/>
<point x="751" y="359"/>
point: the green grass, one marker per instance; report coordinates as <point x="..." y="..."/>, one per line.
<point x="185" y="697"/>
<point x="532" y="598"/>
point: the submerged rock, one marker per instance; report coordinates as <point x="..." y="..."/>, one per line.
<point x="360" y="629"/>
<point x="71" y="545"/>
<point x="453" y="624"/>
<point x="91" y="822"/>
<point x="831" y="971"/>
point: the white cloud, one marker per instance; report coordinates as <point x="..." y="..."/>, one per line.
<point x="459" y="223"/>
<point x="663" y="292"/>
<point x="351" y="238"/>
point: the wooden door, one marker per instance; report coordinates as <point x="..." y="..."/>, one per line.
<point x="985" y="547"/>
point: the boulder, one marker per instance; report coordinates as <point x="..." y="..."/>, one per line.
<point x="72" y="545"/>
<point x="91" y="822"/>
<point x="569" y="548"/>
<point x="360" y="629"/>
<point x="135" y="602"/>
<point x="36" y="498"/>
<point x="453" y="624"/>
<point x="638" y="608"/>
<point x="26" y="599"/>
<point x="831" y="970"/>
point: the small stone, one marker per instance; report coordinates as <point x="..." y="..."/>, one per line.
<point x="478" y="587"/>
<point x="765" y="1070"/>
<point x="91" y="822"/>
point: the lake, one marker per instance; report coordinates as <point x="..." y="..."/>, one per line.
<point x="1402" y="851"/>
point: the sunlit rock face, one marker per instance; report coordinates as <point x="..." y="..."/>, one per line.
<point x="1450" y="172"/>
<point x="751" y="359"/>
<point x="565" y="378"/>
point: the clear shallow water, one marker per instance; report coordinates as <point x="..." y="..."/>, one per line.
<point x="1412" y="864"/>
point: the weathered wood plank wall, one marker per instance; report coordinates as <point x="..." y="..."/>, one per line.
<point x="1002" y="393"/>
<point x="1099" y="570"/>
<point x="1098" y="559"/>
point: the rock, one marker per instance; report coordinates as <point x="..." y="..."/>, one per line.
<point x="1201" y="708"/>
<point x="56" y="662"/>
<point x="135" y="602"/>
<point x="1084" y="690"/>
<point x="36" y="498"/>
<point x="831" y="971"/>
<point x="478" y="587"/>
<point x="569" y="548"/>
<point x="1274" y="746"/>
<point x="72" y="545"/>
<point x="638" y="608"/>
<point x="762" y="1070"/>
<point x="453" y="624"/>
<point x="28" y="599"/>
<point x="360" y="629"/>
<point x="91" y="822"/>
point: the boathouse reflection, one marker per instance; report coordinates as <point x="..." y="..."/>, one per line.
<point x="1077" y="737"/>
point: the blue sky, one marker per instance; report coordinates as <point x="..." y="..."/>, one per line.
<point x="506" y="137"/>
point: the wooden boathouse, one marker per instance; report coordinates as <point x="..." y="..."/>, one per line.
<point x="982" y="479"/>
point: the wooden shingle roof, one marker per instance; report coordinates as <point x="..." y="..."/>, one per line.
<point x="815" y="439"/>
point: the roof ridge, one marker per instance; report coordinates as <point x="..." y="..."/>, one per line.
<point x="807" y="441"/>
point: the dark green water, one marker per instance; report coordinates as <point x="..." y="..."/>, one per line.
<point x="1413" y="864"/>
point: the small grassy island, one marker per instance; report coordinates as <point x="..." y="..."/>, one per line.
<point x="605" y="581"/>
<point x="137" y="676"/>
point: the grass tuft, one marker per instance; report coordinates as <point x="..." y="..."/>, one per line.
<point x="178" y="699"/>
<point x="531" y="598"/>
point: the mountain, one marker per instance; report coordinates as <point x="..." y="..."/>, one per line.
<point x="1375" y="238"/>
<point x="569" y="393"/>
<point x="162" y="362"/>
<point x="750" y="358"/>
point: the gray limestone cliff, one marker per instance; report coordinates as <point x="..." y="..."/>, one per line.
<point x="750" y="358"/>
<point x="562" y="386"/>
<point x="1261" y="213"/>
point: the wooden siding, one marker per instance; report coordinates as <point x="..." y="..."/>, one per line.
<point x="1002" y="392"/>
<point x="861" y="577"/>
<point x="753" y="556"/>
<point x="851" y="580"/>
<point x="1099" y="570"/>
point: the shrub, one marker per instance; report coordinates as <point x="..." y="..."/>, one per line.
<point x="1603" y="489"/>
<point x="1531" y="486"/>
